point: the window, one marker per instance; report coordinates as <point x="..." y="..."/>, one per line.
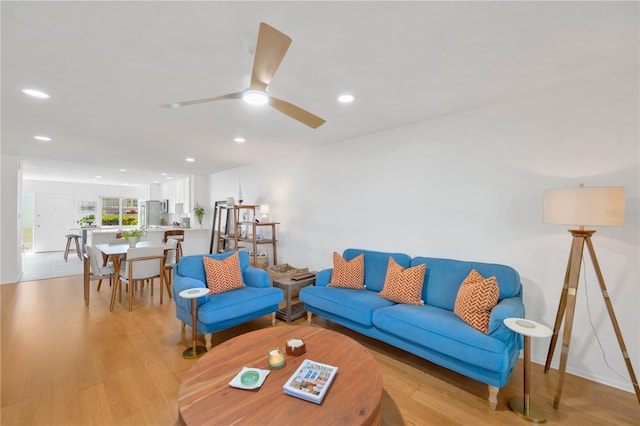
<point x="119" y="211"/>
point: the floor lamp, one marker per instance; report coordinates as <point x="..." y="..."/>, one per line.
<point x="597" y="206"/>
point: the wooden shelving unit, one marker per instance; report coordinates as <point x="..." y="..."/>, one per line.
<point x="241" y="227"/>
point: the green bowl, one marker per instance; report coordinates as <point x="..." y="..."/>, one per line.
<point x="249" y="378"/>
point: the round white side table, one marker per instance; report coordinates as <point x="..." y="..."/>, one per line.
<point x="523" y="406"/>
<point x="194" y="351"/>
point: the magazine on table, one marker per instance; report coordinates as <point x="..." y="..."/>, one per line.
<point x="310" y="381"/>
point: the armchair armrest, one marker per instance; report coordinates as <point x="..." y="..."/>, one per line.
<point x="511" y="307"/>
<point x="184" y="283"/>
<point x="324" y="277"/>
<point x="256" y="277"/>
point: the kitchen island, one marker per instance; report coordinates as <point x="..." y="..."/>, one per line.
<point x="196" y="240"/>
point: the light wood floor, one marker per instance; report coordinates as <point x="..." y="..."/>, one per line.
<point x="64" y="364"/>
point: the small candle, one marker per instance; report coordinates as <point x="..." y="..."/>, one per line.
<point x="276" y="358"/>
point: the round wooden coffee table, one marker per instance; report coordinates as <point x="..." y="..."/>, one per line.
<point x="355" y="396"/>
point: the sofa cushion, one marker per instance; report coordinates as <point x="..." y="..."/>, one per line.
<point x="191" y="266"/>
<point x="403" y="285"/>
<point x="347" y="273"/>
<point x="237" y="303"/>
<point x="375" y="265"/>
<point x="355" y="305"/>
<point x="476" y="298"/>
<point x="223" y="275"/>
<point x="444" y="277"/>
<point x="441" y="330"/>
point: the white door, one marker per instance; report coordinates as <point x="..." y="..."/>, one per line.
<point x="53" y="218"/>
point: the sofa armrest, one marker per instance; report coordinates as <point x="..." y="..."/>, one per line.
<point x="323" y="277"/>
<point x="511" y="307"/>
<point x="256" y="277"/>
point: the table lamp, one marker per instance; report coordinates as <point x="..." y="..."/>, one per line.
<point x="264" y="212"/>
<point x="592" y="206"/>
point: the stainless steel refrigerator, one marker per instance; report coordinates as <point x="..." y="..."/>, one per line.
<point x="151" y="213"/>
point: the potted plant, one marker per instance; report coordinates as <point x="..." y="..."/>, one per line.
<point x="88" y="219"/>
<point x="132" y="235"/>
<point x="199" y="212"/>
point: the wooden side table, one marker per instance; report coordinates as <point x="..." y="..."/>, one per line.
<point x="523" y="407"/>
<point x="287" y="284"/>
<point x="194" y="351"/>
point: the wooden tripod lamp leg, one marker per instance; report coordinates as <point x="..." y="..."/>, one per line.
<point x="612" y="315"/>
<point x="567" y="306"/>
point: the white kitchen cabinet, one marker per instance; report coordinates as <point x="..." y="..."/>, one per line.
<point x="176" y="191"/>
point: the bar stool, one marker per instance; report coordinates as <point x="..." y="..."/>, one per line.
<point x="74" y="237"/>
<point x="176" y="234"/>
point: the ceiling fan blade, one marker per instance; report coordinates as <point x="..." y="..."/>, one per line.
<point x="296" y="113"/>
<point x="270" y="50"/>
<point x="237" y="95"/>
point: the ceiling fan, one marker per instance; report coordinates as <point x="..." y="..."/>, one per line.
<point x="270" y="50"/>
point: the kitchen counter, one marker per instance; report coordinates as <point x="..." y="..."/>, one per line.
<point x="196" y="240"/>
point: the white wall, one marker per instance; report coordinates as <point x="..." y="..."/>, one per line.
<point x="469" y="186"/>
<point x="11" y="264"/>
<point x="83" y="192"/>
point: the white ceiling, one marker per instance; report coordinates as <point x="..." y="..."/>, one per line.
<point x="108" y="65"/>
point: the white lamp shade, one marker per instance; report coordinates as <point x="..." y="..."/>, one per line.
<point x="264" y="212"/>
<point x="601" y="206"/>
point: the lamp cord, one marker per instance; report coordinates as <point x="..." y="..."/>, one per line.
<point x="593" y="329"/>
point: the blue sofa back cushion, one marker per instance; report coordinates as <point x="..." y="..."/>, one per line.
<point x="375" y="265"/>
<point x="443" y="278"/>
<point x="192" y="266"/>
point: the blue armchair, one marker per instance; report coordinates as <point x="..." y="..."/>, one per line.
<point x="224" y="310"/>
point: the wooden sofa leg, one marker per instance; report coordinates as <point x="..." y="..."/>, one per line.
<point x="309" y="314"/>
<point x="273" y="319"/>
<point x="493" y="396"/>
<point x="208" y="338"/>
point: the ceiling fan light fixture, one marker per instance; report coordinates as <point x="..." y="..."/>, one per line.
<point x="255" y="97"/>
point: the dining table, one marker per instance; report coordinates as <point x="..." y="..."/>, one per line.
<point x="117" y="252"/>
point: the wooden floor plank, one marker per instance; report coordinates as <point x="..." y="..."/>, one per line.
<point x="66" y="364"/>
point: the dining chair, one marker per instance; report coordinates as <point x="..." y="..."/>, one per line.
<point x="177" y="234"/>
<point x="93" y="271"/>
<point x="142" y="264"/>
<point x="170" y="261"/>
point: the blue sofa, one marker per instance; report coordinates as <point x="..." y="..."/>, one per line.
<point x="220" y="311"/>
<point x="433" y="331"/>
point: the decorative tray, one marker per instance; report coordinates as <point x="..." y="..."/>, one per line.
<point x="249" y="378"/>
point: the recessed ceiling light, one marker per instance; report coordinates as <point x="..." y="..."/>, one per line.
<point x="255" y="97"/>
<point x="239" y="140"/>
<point x="155" y="181"/>
<point x="43" y="138"/>
<point x="345" y="98"/>
<point x="123" y="170"/>
<point x="189" y="160"/>
<point x="163" y="174"/>
<point x="98" y="177"/>
<point x="36" y="93"/>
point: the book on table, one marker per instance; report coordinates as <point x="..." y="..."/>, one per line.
<point x="310" y="381"/>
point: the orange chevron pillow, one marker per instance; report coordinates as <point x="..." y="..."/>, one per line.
<point x="348" y="274"/>
<point x="476" y="298"/>
<point x="404" y="285"/>
<point x="223" y="275"/>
